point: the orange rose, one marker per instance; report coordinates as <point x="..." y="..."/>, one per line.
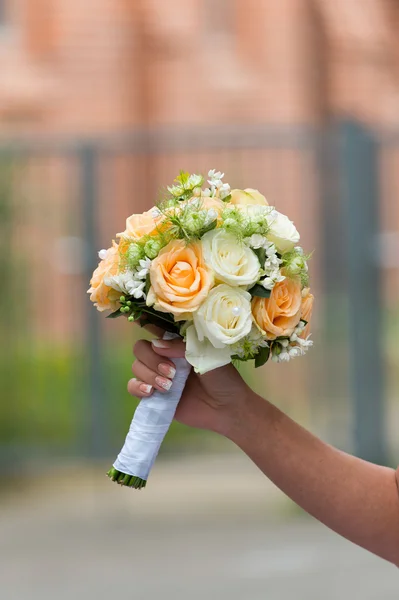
<point x="280" y="314"/>
<point x="248" y="196"/>
<point x="306" y="310"/>
<point x="180" y="280"/>
<point x="103" y="297"/>
<point x="215" y="203"/>
<point x="147" y="223"/>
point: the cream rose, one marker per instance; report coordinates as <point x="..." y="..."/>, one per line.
<point x="283" y="232"/>
<point x="247" y="196"/>
<point x="102" y="295"/>
<point x="180" y="280"/>
<point x="224" y="317"/>
<point x="278" y="315"/>
<point x="232" y="262"/>
<point x="137" y="226"/>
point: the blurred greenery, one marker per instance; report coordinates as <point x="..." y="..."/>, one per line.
<point x="46" y="400"/>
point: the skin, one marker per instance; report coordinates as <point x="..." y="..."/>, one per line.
<point x="357" y="499"/>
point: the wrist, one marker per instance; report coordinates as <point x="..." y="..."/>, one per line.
<point x="234" y="421"/>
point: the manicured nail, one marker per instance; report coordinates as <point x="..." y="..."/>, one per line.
<point x="165" y="384"/>
<point x="160" y="343"/>
<point x="145" y="388"/>
<point x="167" y="370"/>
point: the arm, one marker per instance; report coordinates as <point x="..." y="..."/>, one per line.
<point x="355" y="498"/>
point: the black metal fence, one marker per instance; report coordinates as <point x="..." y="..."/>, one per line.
<point x="64" y="367"/>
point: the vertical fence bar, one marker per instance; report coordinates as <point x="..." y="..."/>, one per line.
<point x="360" y="196"/>
<point x="95" y="426"/>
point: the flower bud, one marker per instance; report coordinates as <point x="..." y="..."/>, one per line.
<point x="152" y="248"/>
<point x="134" y="254"/>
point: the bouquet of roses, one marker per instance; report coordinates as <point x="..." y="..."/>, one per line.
<point x="219" y="267"/>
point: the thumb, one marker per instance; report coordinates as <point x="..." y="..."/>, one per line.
<point x="169" y="348"/>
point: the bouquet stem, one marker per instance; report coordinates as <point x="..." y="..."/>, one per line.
<point x="148" y="428"/>
<point x="127" y="480"/>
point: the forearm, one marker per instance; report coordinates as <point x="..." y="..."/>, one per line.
<point x="356" y="499"/>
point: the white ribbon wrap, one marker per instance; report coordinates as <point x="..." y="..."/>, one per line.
<point x="150" y="424"/>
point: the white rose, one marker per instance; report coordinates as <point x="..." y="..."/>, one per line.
<point x="232" y="262"/>
<point x="225" y="317"/>
<point x="282" y="232"/>
<point x="203" y="356"/>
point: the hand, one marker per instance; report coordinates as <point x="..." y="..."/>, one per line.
<point x="212" y="401"/>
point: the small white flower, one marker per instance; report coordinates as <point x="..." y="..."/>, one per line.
<point x="193" y="181"/>
<point x="284" y="357"/>
<point x="155" y="213"/>
<point x="142" y="272"/>
<point x="296" y="351"/>
<point x="206" y="193"/>
<point x="256" y="241"/>
<point x="135" y="288"/>
<point x="270" y="249"/>
<point x="224" y="191"/>
<point x="211" y="216"/>
<point x="305" y="343"/>
<point x="102" y="254"/>
<point x="284" y="343"/>
<point x="213" y="174"/>
<point x="268" y="283"/>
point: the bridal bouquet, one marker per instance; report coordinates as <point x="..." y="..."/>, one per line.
<point x="218" y="267"/>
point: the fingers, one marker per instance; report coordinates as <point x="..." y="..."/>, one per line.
<point x="151" y="370"/>
<point x="146" y="354"/>
<point x="152" y="378"/>
<point x="169" y="348"/>
<point x="139" y="388"/>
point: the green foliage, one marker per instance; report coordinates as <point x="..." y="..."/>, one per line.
<point x="185" y="184"/>
<point x="262" y="357"/>
<point x="295" y="265"/>
<point x="261" y="254"/>
<point x="115" y="314"/>
<point x="259" y="291"/>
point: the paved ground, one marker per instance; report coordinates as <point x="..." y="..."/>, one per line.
<point x="190" y="535"/>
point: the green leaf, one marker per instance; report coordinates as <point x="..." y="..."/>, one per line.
<point x="261" y="254"/>
<point x="115" y="314"/>
<point x="147" y="284"/>
<point x="209" y="227"/>
<point x="262" y="357"/>
<point x="153" y="319"/>
<point x="259" y="291"/>
<point x="227" y="198"/>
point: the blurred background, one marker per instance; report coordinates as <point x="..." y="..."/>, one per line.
<point x="101" y="104"/>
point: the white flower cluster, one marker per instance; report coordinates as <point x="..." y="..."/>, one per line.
<point x="192" y="182"/>
<point x="285" y="350"/>
<point x="250" y="345"/>
<point x="272" y="263"/>
<point x="129" y="282"/>
<point x="217" y="187"/>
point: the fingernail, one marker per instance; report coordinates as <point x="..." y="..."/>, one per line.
<point x="167" y="370"/>
<point x="160" y="343"/>
<point x="165" y="384"/>
<point x="145" y="388"/>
